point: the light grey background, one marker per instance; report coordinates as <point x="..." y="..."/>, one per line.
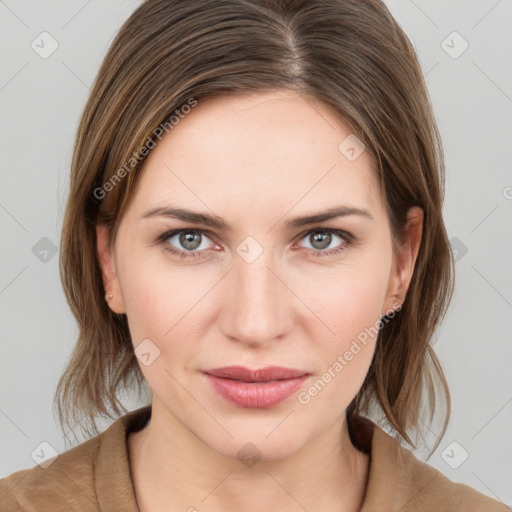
<point x="41" y="101"/>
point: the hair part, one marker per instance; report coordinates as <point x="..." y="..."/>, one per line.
<point x="352" y="56"/>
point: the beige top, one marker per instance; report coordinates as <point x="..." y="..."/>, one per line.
<point x="95" y="476"/>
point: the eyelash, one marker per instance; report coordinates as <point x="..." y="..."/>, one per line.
<point x="347" y="238"/>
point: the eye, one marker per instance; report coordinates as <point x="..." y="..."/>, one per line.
<point x="321" y="239"/>
<point x="191" y="243"/>
<point x="185" y="243"/>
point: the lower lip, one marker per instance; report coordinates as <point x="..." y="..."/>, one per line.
<point x="256" y="395"/>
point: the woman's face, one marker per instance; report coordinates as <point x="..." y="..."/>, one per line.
<point x="262" y="289"/>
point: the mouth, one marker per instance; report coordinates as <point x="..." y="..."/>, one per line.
<point x="260" y="388"/>
<point x="265" y="374"/>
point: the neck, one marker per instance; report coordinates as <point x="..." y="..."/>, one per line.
<point x="171" y="466"/>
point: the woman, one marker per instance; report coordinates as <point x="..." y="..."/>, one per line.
<point x="254" y="230"/>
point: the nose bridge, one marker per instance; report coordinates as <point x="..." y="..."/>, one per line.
<point x="257" y="307"/>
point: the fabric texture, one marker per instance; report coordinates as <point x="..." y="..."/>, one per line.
<point x="95" y="476"/>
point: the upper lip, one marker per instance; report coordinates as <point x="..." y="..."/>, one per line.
<point x="265" y="374"/>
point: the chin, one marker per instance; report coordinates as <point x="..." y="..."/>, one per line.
<point x="264" y="439"/>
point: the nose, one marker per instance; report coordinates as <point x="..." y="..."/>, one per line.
<point x="257" y="308"/>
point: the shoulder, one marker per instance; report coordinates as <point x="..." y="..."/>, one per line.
<point x="399" y="481"/>
<point x="66" y="484"/>
<point x="93" y="476"/>
<point x="429" y="489"/>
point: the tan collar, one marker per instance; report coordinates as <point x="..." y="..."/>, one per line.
<point x="397" y="479"/>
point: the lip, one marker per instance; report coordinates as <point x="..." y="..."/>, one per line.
<point x="259" y="388"/>
<point x="265" y="374"/>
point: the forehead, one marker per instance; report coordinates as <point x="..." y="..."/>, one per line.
<point x="264" y="152"/>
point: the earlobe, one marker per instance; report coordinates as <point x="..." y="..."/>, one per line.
<point x="106" y="262"/>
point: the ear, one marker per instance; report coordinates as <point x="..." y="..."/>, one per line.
<point x="403" y="264"/>
<point x="108" y="274"/>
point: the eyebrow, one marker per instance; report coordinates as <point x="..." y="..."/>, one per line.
<point x="218" y="223"/>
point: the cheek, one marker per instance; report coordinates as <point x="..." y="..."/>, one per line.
<point x="166" y="306"/>
<point x="346" y="300"/>
<point x="351" y="309"/>
<point x="155" y="292"/>
<point x="349" y="304"/>
<point x="157" y="318"/>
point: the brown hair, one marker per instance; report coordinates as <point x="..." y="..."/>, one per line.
<point x="349" y="54"/>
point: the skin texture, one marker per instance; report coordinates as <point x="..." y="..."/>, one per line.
<point x="255" y="161"/>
